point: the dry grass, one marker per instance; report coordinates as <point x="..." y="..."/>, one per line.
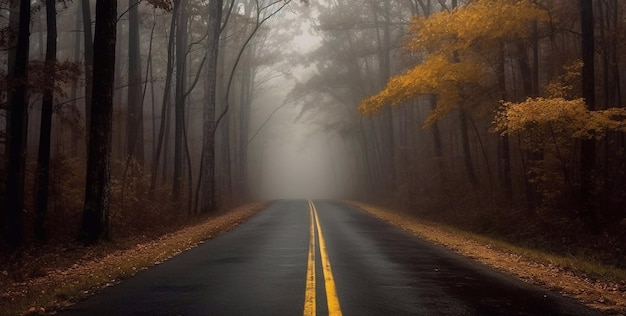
<point x="596" y="285"/>
<point x="93" y="268"/>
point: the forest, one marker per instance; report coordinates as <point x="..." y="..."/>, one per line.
<point x="503" y="117"/>
<point x="499" y="117"/>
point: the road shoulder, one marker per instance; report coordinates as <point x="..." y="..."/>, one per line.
<point x="608" y="297"/>
<point x="61" y="287"/>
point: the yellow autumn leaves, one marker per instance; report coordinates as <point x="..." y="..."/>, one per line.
<point x="456" y="43"/>
<point x="437" y="75"/>
<point x="563" y="113"/>
<point x="480" y="22"/>
<point x="452" y="42"/>
<point x="569" y="118"/>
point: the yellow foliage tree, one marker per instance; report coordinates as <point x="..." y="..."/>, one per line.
<point x="549" y="126"/>
<point x="453" y="41"/>
<point x="563" y="112"/>
<point x="438" y="75"/>
<point x="566" y="118"/>
<point x="480" y="22"/>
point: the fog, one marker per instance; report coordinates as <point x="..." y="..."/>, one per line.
<point x="294" y="157"/>
<point x="129" y="120"/>
<point x="290" y="87"/>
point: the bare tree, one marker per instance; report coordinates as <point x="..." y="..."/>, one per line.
<point x="207" y="176"/>
<point x="134" y="134"/>
<point x="95" y="223"/>
<point x="16" y="129"/>
<point x="88" y="42"/>
<point x="588" y="146"/>
<point x="43" y="156"/>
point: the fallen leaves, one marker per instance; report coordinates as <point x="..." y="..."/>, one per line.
<point x="105" y="266"/>
<point x="609" y="297"/>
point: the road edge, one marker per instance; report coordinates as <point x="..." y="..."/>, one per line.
<point x="603" y="296"/>
<point x="59" y="289"/>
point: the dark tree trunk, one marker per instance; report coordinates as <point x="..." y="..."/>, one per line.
<point x="389" y="133"/>
<point x="88" y="60"/>
<point x="134" y="123"/>
<point x="43" y="156"/>
<point x="437" y="145"/>
<point x="505" y="151"/>
<point x="164" y="125"/>
<point x="467" y="154"/>
<point x="179" y="104"/>
<point x="208" y="127"/>
<point x="14" y="25"/>
<point x="16" y="139"/>
<point x="588" y="147"/>
<point x="95" y="224"/>
<point x="386" y="126"/>
<point x="530" y="83"/>
<point x="74" y="93"/>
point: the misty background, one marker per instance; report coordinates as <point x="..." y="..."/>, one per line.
<point x="401" y="103"/>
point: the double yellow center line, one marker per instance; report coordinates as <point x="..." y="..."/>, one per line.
<point x="329" y="282"/>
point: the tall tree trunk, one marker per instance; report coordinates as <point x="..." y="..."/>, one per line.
<point x="119" y="132"/>
<point x="467" y="154"/>
<point x="14" y="26"/>
<point x="366" y="156"/>
<point x="17" y="121"/>
<point x="437" y="145"/>
<point x="505" y="150"/>
<point x="588" y="146"/>
<point x="247" y="83"/>
<point x="535" y="74"/>
<point x="386" y="126"/>
<point x="88" y="60"/>
<point x="179" y="104"/>
<point x="224" y="161"/>
<point x="43" y="156"/>
<point x="77" y="41"/>
<point x="95" y="224"/>
<point x="208" y="126"/>
<point x="164" y="125"/>
<point x="530" y="83"/>
<point x="134" y="122"/>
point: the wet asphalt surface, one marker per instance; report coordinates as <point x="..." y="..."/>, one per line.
<point x="260" y="269"/>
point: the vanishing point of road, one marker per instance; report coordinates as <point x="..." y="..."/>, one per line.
<point x="301" y="257"/>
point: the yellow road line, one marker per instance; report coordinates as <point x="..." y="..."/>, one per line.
<point x="329" y="282"/>
<point x="309" y="295"/>
<point x="331" y="292"/>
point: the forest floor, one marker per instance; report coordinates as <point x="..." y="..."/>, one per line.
<point x="567" y="276"/>
<point x="44" y="280"/>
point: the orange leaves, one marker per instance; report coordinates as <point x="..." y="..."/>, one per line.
<point x="465" y="33"/>
<point x="566" y="118"/>
<point x="479" y="21"/>
<point x="516" y="117"/>
<point x="562" y="114"/>
<point x="604" y="121"/>
<point x="568" y="85"/>
<point x="437" y="75"/>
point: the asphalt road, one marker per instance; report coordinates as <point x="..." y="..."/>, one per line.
<point x="279" y="263"/>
